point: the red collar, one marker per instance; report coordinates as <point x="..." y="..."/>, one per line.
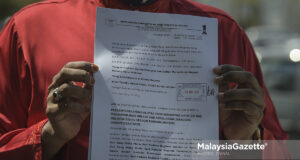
<point x="158" y="6"/>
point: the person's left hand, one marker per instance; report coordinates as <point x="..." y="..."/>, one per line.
<point x="242" y="107"/>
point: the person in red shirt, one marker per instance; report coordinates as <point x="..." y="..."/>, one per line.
<point x="48" y="46"/>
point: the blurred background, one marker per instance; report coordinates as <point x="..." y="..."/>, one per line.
<point x="8" y="7"/>
<point x="273" y="27"/>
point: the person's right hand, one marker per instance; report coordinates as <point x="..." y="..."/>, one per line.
<point x="68" y="105"/>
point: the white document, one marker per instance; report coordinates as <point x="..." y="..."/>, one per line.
<point x="154" y="96"/>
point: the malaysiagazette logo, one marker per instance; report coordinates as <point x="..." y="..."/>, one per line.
<point x="230" y="146"/>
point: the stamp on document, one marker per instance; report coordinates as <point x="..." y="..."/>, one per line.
<point x="197" y="92"/>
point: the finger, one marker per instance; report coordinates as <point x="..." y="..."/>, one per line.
<point x="242" y="95"/>
<point x="88" y="87"/>
<point x="223" y="114"/>
<point x="240" y="77"/>
<point x="247" y="107"/>
<point x="87" y="66"/>
<point x="76" y="107"/>
<point x="69" y="74"/>
<point x="58" y="111"/>
<point x="67" y="90"/>
<point x="223" y="87"/>
<point x="221" y="69"/>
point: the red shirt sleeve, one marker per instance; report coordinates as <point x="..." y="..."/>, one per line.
<point x="17" y="140"/>
<point x="276" y="149"/>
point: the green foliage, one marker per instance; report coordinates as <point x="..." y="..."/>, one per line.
<point x="9" y="7"/>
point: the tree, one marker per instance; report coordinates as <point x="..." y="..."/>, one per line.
<point x="9" y="7"/>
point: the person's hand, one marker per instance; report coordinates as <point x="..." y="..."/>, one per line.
<point x="68" y="105"/>
<point x="242" y="107"/>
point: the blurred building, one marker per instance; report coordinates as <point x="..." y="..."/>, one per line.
<point x="274" y="30"/>
<point x="283" y="14"/>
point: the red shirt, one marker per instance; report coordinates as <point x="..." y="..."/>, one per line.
<point x="41" y="38"/>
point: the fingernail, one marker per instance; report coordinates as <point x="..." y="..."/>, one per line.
<point x="95" y="67"/>
<point x="217" y="69"/>
<point x="222" y="105"/>
<point x="220" y="95"/>
<point x="92" y="81"/>
<point x="218" y="79"/>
